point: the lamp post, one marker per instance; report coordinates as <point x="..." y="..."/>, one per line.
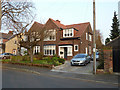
<point x="94" y="44"/>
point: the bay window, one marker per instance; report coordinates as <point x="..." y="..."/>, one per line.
<point x="50" y="50"/>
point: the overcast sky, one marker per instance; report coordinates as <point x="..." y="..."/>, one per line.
<point x="78" y="11"/>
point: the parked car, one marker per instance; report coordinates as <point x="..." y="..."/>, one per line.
<point x="97" y="56"/>
<point x="6" y="55"/>
<point x="80" y="59"/>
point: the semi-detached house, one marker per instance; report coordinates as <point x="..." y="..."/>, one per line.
<point x="66" y="40"/>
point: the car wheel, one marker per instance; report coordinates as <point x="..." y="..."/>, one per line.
<point x="89" y="62"/>
<point x="71" y="64"/>
<point x="85" y="64"/>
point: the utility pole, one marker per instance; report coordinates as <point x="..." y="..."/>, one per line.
<point x="94" y="44"/>
<point x="0" y="14"/>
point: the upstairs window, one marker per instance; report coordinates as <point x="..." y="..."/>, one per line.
<point x="51" y="35"/>
<point x="68" y="32"/>
<point x="90" y="37"/>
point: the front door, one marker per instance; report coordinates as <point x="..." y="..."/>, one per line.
<point x="65" y="52"/>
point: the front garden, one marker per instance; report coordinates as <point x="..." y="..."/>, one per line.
<point x="37" y="61"/>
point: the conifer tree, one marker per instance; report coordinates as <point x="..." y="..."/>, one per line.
<point x="115" y="32"/>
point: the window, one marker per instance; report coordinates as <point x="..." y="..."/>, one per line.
<point x="15" y="42"/>
<point x="89" y="49"/>
<point x="52" y="36"/>
<point x="68" y="32"/>
<point x="86" y="36"/>
<point x="36" y="50"/>
<point x="1" y="40"/>
<point x="86" y="50"/>
<point x="69" y="51"/>
<point x="90" y="37"/>
<point x="50" y="50"/>
<point x="75" y="47"/>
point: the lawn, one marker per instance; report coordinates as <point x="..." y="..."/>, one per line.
<point x="26" y="60"/>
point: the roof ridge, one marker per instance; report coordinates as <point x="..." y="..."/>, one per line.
<point x="79" y="23"/>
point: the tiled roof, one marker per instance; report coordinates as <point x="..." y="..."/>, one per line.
<point x="81" y="27"/>
<point x="5" y="35"/>
<point x="36" y="26"/>
<point x="58" y="23"/>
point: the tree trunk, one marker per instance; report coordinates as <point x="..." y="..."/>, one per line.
<point x="0" y="15"/>
<point x="31" y="55"/>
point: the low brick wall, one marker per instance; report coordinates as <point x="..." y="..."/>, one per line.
<point x="108" y="61"/>
<point x="100" y="71"/>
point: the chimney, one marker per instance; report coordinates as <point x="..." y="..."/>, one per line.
<point x="58" y="21"/>
<point x="10" y="32"/>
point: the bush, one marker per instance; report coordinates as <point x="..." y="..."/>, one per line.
<point x="101" y="60"/>
<point x="39" y="56"/>
<point x="25" y="58"/>
<point x="61" y="60"/>
<point x="20" y="58"/>
<point x="16" y="58"/>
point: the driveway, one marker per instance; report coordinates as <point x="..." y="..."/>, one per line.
<point x="88" y="69"/>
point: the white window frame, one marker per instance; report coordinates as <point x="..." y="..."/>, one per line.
<point x="86" y="36"/>
<point x="53" y="35"/>
<point x="90" y="37"/>
<point x="1" y="40"/>
<point x="75" y="48"/>
<point x="35" y="49"/>
<point x="48" y="48"/>
<point x="68" y="31"/>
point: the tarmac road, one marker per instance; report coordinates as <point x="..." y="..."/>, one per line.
<point x="20" y="79"/>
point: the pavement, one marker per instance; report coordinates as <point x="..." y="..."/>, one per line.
<point x="103" y="78"/>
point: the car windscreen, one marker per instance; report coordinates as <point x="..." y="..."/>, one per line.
<point x="80" y="56"/>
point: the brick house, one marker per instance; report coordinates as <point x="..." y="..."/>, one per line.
<point x="66" y="40"/>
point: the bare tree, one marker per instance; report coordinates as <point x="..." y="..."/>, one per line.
<point x="99" y="39"/>
<point x="35" y="36"/>
<point x="17" y="16"/>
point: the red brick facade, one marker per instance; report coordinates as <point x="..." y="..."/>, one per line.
<point x="68" y="43"/>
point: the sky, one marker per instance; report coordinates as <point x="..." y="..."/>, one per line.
<point x="78" y="11"/>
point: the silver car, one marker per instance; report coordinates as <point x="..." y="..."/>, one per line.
<point x="80" y="59"/>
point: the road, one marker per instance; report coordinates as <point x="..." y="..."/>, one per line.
<point x="20" y="79"/>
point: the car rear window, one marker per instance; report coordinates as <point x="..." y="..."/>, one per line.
<point x="80" y="56"/>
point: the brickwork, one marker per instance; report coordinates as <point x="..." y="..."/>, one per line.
<point x="108" y="61"/>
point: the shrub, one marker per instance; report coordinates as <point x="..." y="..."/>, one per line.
<point x="101" y="60"/>
<point x="16" y="58"/>
<point x="61" y="60"/>
<point x="20" y="58"/>
<point x="25" y="58"/>
<point x="39" y="56"/>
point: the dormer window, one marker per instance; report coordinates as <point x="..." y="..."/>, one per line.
<point x="68" y="32"/>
